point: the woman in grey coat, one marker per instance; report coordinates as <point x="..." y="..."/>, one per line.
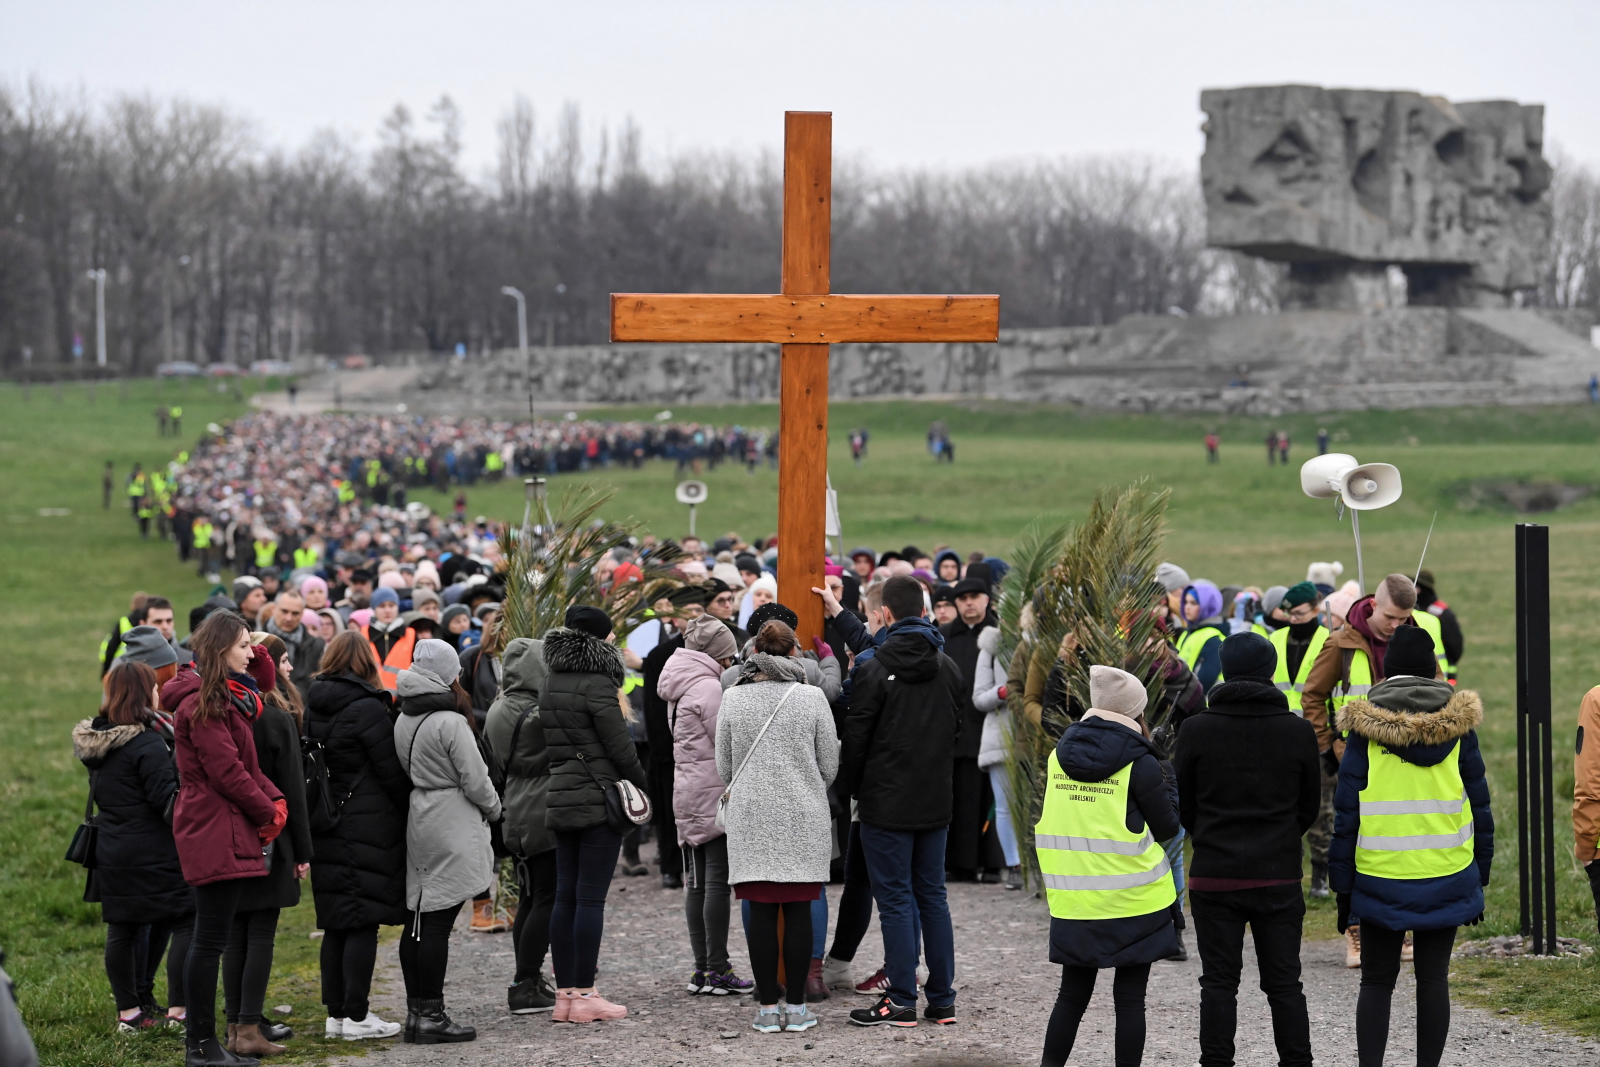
<point x="778" y="794"/>
<point x="448" y="857"/>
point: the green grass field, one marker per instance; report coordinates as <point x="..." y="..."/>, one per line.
<point x="69" y="576"/>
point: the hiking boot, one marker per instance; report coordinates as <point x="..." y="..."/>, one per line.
<point x="697" y="984"/>
<point x="433" y="1026"/>
<point x="768" y="1020"/>
<point x="944" y="1016"/>
<point x="1352" y="947"/>
<point x="836" y="973"/>
<point x="1407" y="950"/>
<point x="874" y="985"/>
<point x="247" y="1041"/>
<point x="529" y="996"/>
<point x="276" y="1032"/>
<point x="593" y="1008"/>
<point x="369" y="1027"/>
<point x="1013" y="878"/>
<point x="798" y="1017"/>
<point x="885" y="1013"/>
<point x="210" y="1053"/>
<point x="484" y="920"/>
<point x="816" y="988"/>
<point x="725" y="983"/>
<point x="1319" y="880"/>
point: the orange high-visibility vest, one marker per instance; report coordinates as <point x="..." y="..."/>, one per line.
<point x="398" y="659"/>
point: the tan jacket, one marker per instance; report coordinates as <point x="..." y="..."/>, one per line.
<point x="1586" y="785"/>
<point x="1326" y="674"/>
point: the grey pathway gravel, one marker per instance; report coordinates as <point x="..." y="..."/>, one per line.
<point x="1006" y="988"/>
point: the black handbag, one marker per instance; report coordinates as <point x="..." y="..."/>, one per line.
<point x="626" y="807"/>
<point x="82" y="849"/>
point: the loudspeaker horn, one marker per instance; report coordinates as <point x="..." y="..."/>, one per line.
<point x="1322" y="477"/>
<point x="1369" y="486"/>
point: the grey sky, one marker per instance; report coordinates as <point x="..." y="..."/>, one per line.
<point x="931" y="83"/>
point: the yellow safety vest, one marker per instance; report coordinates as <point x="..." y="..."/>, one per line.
<point x="123" y="626"/>
<point x="306" y="556"/>
<point x="175" y="412"/>
<point x="1415" y="821"/>
<point x="1093" y="867"/>
<point x="1429" y="624"/>
<point x="136" y="487"/>
<point x="202" y="534"/>
<point x="265" y="551"/>
<point x="1280" y="674"/>
<point x="346" y="493"/>
<point x="1193" y="642"/>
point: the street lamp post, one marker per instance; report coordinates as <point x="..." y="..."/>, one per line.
<point x="98" y="276"/>
<point x="522" y="338"/>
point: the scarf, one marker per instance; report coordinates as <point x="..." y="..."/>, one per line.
<point x="291" y="638"/>
<point x="761" y="667"/>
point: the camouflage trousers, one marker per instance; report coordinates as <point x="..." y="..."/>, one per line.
<point x="1321" y="832"/>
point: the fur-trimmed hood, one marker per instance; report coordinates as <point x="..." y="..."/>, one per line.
<point x="91" y="745"/>
<point x="1408" y="717"/>
<point x="568" y="651"/>
<point x="989" y="639"/>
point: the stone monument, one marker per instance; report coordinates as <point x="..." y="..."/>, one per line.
<point x="1342" y="184"/>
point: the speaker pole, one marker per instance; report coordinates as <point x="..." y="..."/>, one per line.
<point x="1361" y="570"/>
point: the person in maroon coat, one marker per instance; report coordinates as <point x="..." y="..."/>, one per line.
<point x="227" y="814"/>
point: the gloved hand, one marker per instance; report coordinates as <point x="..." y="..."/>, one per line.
<point x="822" y="648"/>
<point x="1002" y="692"/>
<point x="1330" y="762"/>
<point x="1343" y="900"/>
<point x="280" y="818"/>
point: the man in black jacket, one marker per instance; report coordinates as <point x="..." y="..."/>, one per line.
<point x="966" y="780"/>
<point x="1249" y="786"/>
<point x="900" y="738"/>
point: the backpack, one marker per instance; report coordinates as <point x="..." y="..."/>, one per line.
<point x="323" y="811"/>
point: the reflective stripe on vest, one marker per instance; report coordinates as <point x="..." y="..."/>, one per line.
<point x="1415" y="821"/>
<point x="398" y="659"/>
<point x="1092" y="866"/>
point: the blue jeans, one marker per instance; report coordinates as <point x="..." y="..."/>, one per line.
<point x="1002" y="814"/>
<point x="1174" y="851"/>
<point x="907" y="870"/>
<point x="585" y="860"/>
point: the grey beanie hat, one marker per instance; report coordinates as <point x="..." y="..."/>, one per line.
<point x="437" y="659"/>
<point x="1172" y="577"/>
<point x="710" y="635"/>
<point x="1272" y="598"/>
<point x="144" y="644"/>
<point x="1116" y="690"/>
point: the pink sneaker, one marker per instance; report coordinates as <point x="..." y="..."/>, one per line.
<point x="593" y="1008"/>
<point x="563" y="1009"/>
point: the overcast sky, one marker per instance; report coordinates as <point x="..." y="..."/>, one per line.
<point x="930" y="83"/>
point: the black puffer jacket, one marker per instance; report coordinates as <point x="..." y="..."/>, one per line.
<point x="278" y="749"/>
<point x="138" y="875"/>
<point x="581" y="714"/>
<point x="961" y="645"/>
<point x="901" y="731"/>
<point x="358" y="871"/>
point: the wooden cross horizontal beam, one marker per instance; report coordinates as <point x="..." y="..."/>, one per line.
<point x="835" y="319"/>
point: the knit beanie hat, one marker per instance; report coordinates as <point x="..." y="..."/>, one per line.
<point x="436" y="659"/>
<point x="1410" y="652"/>
<point x="144" y="644"/>
<point x="767" y="582"/>
<point x="1273" y="598"/>
<point x="383" y="596"/>
<point x="393" y="580"/>
<point x="711" y="635"/>
<point x="774" y="610"/>
<point x="1116" y="690"/>
<point x="1172" y="577"/>
<point x="452" y="611"/>
<point x="590" y="620"/>
<point x="1300" y="593"/>
<point x="1248" y="655"/>
<point x="311" y="581"/>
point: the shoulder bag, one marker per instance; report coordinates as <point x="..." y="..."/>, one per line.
<point x="626" y="806"/>
<point x="721" y="818"/>
<point x="81" y="850"/>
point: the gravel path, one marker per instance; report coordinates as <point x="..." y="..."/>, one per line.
<point x="1006" y="988"/>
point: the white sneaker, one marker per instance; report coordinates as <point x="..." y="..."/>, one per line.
<point x="333" y="1027"/>
<point x="371" y="1026"/>
<point x="836" y="973"/>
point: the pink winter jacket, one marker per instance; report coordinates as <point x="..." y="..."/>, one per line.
<point x="691" y="684"/>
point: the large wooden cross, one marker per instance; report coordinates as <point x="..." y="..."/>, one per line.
<point x="805" y="318"/>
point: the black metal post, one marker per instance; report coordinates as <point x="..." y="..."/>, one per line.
<point x="1526" y="927"/>
<point x="1537" y="806"/>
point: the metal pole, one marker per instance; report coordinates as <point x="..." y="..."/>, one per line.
<point x="1525" y="775"/>
<point x="691" y="520"/>
<point x="1537" y="633"/>
<point x="99" y="315"/>
<point x="1361" y="569"/>
<point x="522" y="339"/>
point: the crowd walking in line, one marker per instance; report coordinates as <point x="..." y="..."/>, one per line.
<point x="356" y="717"/>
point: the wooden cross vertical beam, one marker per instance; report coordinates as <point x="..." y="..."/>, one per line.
<point x="803" y="394"/>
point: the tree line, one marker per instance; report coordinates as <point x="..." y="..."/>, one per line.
<point x="219" y="248"/>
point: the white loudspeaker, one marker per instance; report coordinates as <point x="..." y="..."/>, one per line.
<point x="1322" y="477"/>
<point x="1369" y="486"/>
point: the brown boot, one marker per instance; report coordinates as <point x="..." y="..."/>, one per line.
<point x="228" y="1041"/>
<point x="247" y="1041"/>
<point x="816" y="988"/>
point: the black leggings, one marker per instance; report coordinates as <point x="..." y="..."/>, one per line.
<point x="348" y="957"/>
<point x="762" y="938"/>
<point x="247" y="964"/>
<point x="425" y="952"/>
<point x="855" y="903"/>
<point x="133" y="955"/>
<point x="1127" y="997"/>
<point x="1380" y="966"/>
<point x="585" y="860"/>
<point x="213" y="922"/>
<point x="536" y="897"/>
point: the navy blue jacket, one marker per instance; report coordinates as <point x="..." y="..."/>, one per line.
<point x="1421" y="720"/>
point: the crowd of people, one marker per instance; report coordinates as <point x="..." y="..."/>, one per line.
<point x="363" y="722"/>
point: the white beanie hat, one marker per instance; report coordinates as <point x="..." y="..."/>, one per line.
<point x="1115" y="690"/>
